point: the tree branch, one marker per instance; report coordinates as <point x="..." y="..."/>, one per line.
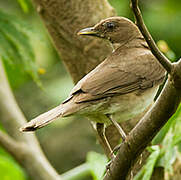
<point x="23" y="147"/>
<point x="153" y="47"/>
<point x="8" y="143"/>
<point x="155" y="118"/>
<point x="145" y="130"/>
<point x="80" y="172"/>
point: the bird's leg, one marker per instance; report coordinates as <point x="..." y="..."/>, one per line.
<point x="118" y="127"/>
<point x="104" y="142"/>
<point x="116" y="148"/>
<point x="106" y="146"/>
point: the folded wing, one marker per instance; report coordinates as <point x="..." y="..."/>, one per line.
<point x="120" y="75"/>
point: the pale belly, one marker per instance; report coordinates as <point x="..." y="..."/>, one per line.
<point x="124" y="107"/>
<point x="132" y="105"/>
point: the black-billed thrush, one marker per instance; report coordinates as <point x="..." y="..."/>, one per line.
<point x="119" y="88"/>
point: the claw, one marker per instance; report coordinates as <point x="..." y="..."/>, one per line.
<point x="109" y="163"/>
<point x="116" y="148"/>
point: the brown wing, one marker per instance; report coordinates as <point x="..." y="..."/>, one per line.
<point x="121" y="73"/>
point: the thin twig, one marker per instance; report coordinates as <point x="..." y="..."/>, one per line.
<point x="153" y="47"/>
<point x="8" y="143"/>
<point x="77" y="173"/>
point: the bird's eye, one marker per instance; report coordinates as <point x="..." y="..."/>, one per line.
<point x="110" y="25"/>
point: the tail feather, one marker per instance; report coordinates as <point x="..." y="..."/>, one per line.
<point x="43" y="119"/>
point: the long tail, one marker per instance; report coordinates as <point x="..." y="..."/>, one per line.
<point x="43" y="119"/>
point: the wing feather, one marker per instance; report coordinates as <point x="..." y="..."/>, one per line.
<point x="120" y="73"/>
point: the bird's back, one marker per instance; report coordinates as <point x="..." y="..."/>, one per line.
<point x="125" y="71"/>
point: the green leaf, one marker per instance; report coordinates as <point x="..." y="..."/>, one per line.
<point x="171" y="55"/>
<point x="172" y="138"/>
<point x="168" y="153"/>
<point x="7" y="50"/>
<point x="24" y="5"/>
<point x="147" y="170"/>
<point x="177" y="127"/>
<point x="80" y="172"/>
<point x="9" y="169"/>
<point x="15" y="45"/>
<point x="97" y="163"/>
<point x="173" y="121"/>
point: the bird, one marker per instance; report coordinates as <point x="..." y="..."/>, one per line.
<point x="119" y="88"/>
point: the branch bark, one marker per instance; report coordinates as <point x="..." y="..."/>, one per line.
<point x="9" y="143"/>
<point x="153" y="47"/>
<point x="155" y="118"/>
<point x="144" y="132"/>
<point x="23" y="147"/>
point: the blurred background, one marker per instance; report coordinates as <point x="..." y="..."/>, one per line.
<point x="37" y="93"/>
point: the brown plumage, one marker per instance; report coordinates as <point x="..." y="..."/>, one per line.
<point x="122" y="86"/>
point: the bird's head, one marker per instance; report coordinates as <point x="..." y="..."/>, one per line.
<point x="114" y="29"/>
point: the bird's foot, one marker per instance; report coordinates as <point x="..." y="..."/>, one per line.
<point x="112" y="155"/>
<point x="110" y="162"/>
<point x="116" y="148"/>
